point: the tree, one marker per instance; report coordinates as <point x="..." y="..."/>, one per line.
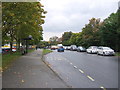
<point x="66" y="37"/>
<point x="73" y="39"/>
<point x="109" y="31"/>
<point x="21" y="19"/>
<point x="53" y="40"/>
<point x="118" y="31"/>
<point x="90" y="33"/>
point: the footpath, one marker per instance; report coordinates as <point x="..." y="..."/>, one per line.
<point x="29" y="71"/>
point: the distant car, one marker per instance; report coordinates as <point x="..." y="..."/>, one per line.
<point x="59" y="45"/>
<point x="73" y="48"/>
<point x="54" y="47"/>
<point x="68" y="48"/>
<point x="81" y="49"/>
<point x="0" y="50"/>
<point x="105" y="51"/>
<point x="92" y="49"/>
<point x="60" y="49"/>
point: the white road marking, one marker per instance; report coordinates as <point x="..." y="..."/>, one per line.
<point x="75" y="66"/>
<point x="71" y="63"/>
<point x="81" y="71"/>
<point x="90" y="78"/>
<point x="103" y="88"/>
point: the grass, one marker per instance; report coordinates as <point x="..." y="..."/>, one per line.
<point x="8" y="58"/>
<point x="117" y="54"/>
<point x="46" y="51"/>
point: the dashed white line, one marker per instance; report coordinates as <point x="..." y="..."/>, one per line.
<point x="90" y="78"/>
<point x="75" y="66"/>
<point x="71" y="63"/>
<point x="103" y="88"/>
<point x="81" y="71"/>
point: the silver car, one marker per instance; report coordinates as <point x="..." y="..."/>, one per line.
<point x="73" y="48"/>
<point x="81" y="49"/>
<point x="92" y="49"/>
<point x="105" y="51"/>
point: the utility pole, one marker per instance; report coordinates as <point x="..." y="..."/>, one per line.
<point x="119" y="5"/>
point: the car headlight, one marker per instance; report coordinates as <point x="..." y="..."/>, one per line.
<point x="107" y="51"/>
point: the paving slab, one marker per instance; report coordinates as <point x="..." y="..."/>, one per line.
<point x="29" y="71"/>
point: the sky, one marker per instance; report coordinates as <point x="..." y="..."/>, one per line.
<point x="72" y="15"/>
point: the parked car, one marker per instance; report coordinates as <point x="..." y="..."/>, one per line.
<point x="59" y="45"/>
<point x="0" y="50"/>
<point x="68" y="48"/>
<point x="105" y="51"/>
<point x="81" y="49"/>
<point x="60" y="49"/>
<point x="92" y="49"/>
<point x="73" y="48"/>
<point x="54" y="47"/>
<point x="65" y="47"/>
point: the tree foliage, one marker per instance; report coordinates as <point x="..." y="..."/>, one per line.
<point x="90" y="33"/>
<point x="96" y="32"/>
<point x="108" y="31"/>
<point x="53" y="40"/>
<point x="21" y="19"/>
<point x="66" y="37"/>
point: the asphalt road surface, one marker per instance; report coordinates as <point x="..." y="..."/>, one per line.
<point x="82" y="70"/>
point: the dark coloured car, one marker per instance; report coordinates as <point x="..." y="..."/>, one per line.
<point x="81" y="49"/>
<point x="60" y="49"/>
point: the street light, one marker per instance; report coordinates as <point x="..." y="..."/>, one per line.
<point x="119" y="5"/>
<point x="26" y="42"/>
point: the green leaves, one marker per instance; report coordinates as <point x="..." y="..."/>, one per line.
<point x="22" y="19"/>
<point x="109" y="33"/>
<point x="106" y="33"/>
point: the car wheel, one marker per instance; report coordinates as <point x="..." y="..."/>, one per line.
<point x="97" y="53"/>
<point x="103" y="53"/>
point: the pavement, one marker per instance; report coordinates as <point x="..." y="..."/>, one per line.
<point x="29" y="71"/>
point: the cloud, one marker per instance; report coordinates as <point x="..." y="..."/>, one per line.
<point x="66" y="15"/>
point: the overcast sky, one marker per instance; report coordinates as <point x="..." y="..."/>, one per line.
<point x="72" y="15"/>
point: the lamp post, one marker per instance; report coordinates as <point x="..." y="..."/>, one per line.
<point x="119" y="5"/>
<point x="26" y="42"/>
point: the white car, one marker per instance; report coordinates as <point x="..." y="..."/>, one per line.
<point x="105" y="51"/>
<point x="92" y="49"/>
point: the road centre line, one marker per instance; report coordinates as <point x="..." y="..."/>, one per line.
<point x="81" y="71"/>
<point x="90" y="78"/>
<point x="75" y="66"/>
<point x="103" y="88"/>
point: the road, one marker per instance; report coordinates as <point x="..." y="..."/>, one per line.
<point x="82" y="70"/>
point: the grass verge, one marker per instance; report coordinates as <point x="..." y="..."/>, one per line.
<point x="117" y="54"/>
<point x="8" y="58"/>
<point x="46" y="51"/>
